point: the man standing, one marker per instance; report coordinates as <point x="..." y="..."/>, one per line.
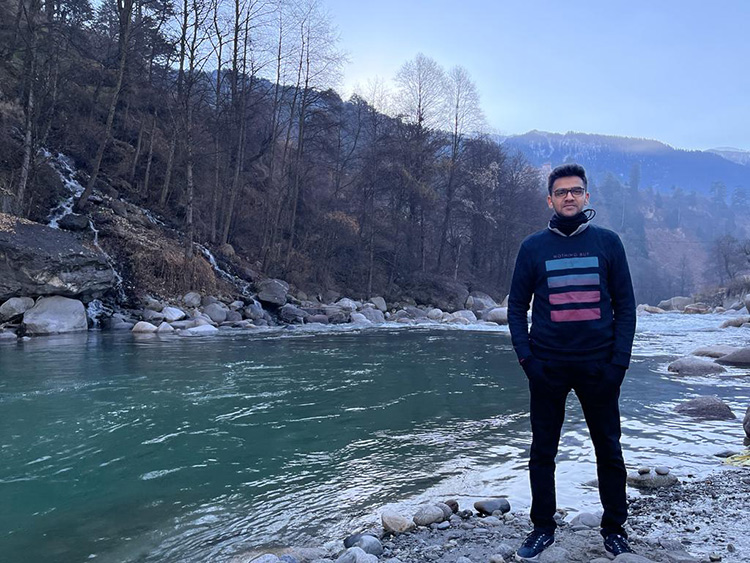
<point x="583" y="323"/>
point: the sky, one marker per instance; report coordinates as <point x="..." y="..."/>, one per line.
<point x="674" y="71"/>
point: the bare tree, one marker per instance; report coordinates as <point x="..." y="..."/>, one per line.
<point x="124" y="14"/>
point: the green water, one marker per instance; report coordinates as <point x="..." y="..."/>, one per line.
<point x="171" y="450"/>
<point x="115" y="448"/>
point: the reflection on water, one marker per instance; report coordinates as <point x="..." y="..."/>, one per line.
<point x="172" y="449"/>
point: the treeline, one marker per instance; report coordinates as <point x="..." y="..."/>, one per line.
<point x="220" y="114"/>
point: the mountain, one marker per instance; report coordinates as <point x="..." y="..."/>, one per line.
<point x="735" y="155"/>
<point x="661" y="166"/>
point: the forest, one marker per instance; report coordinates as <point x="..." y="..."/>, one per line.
<point x="222" y="116"/>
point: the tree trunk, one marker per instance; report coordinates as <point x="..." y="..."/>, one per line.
<point x="125" y="9"/>
<point x="147" y="175"/>
<point x="137" y="153"/>
<point x="170" y="164"/>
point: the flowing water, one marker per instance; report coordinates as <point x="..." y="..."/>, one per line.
<point x="120" y="449"/>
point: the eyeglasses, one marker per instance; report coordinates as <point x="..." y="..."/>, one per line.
<point x="563" y="192"/>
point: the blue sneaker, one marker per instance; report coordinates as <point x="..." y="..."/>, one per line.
<point x="536" y="542"/>
<point x="615" y="544"/>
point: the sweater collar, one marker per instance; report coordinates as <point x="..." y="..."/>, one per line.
<point x="571" y="226"/>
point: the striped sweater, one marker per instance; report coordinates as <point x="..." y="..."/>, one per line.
<point x="584" y="308"/>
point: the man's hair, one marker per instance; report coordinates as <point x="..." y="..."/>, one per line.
<point x="565" y="170"/>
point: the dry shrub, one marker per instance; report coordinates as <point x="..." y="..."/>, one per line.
<point x="169" y="272"/>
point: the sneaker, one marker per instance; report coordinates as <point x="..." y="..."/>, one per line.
<point x="615" y="544"/>
<point x="536" y="542"/>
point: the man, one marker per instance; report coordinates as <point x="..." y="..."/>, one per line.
<point x="583" y="323"/>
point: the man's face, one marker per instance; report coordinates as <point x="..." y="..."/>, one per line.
<point x="562" y="199"/>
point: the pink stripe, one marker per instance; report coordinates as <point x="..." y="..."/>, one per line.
<point x="574" y="297"/>
<point x="576" y="315"/>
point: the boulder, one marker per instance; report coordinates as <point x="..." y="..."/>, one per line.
<point x="468" y="315"/>
<point x="373" y="315"/>
<point x="489" y="506"/>
<point x="586" y="519"/>
<point x="649" y="309"/>
<point x="359" y="319"/>
<point x="292" y="314"/>
<point x="234" y="316"/>
<point x="200" y="330"/>
<point x="651" y="480"/>
<point x="696" y="309"/>
<point x="322" y="319"/>
<point x="336" y="315"/>
<point x="691" y="365"/>
<point x="497" y="315"/>
<point x="272" y="291"/>
<point x="236" y="305"/>
<point x="394" y="523"/>
<point x="379" y="302"/>
<point x="478" y="301"/>
<point x="8" y="335"/>
<point x="736" y="322"/>
<point x="164" y="328"/>
<point x="708" y="407"/>
<point x="428" y="514"/>
<point x="54" y="315"/>
<point x="347" y="304"/>
<point x="74" y="222"/>
<point x="15" y="307"/>
<point x="117" y="322"/>
<point x="415" y="312"/>
<point x="254" y="311"/>
<point x="54" y="262"/>
<point x="356" y="555"/>
<point x="192" y="299"/>
<point x="144" y="326"/>
<point x="740" y="358"/>
<point x="216" y="312"/>
<point x="369" y="544"/>
<point x="435" y="314"/>
<point x="746" y="422"/>
<point x="675" y="303"/>
<point x="714" y="351"/>
<point x="172" y="314"/>
<point x="149" y="315"/>
<point x="153" y="304"/>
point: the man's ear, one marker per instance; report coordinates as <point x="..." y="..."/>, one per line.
<point x="549" y="201"/>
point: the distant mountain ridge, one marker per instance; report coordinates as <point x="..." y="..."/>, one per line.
<point x="661" y="166"/>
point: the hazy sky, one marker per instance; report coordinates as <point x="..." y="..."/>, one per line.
<point x="676" y="71"/>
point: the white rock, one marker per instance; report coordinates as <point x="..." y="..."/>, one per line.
<point x="394" y="523"/>
<point x="379" y="302"/>
<point x="427" y="515"/>
<point x="497" y="315"/>
<point x="15" y="306"/>
<point x="144" y="326"/>
<point x="347" y="304"/>
<point x="202" y="330"/>
<point x="468" y="315"/>
<point x="165" y="327"/>
<point x="172" y="314"/>
<point x="53" y="315"/>
<point x="192" y="299"/>
<point x="360" y="319"/>
<point x="435" y="314"/>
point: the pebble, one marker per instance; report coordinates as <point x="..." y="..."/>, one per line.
<point x="554" y="555"/>
<point x="714" y="557"/>
<point x="661" y="470"/>
<point x="644" y="470"/>
<point x="356" y="555"/>
<point x="490" y="521"/>
<point x="453" y="505"/>
<point x="447" y="510"/>
<point x="443" y="525"/>
<point x="586" y="519"/>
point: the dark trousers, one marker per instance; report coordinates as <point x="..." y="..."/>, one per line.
<point x="599" y="400"/>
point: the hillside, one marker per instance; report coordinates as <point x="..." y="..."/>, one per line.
<point x="661" y="166"/>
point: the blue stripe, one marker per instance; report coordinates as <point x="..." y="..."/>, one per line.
<point x="570" y="263"/>
<point x="573" y="279"/>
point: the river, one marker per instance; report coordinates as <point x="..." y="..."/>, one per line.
<point x="116" y="448"/>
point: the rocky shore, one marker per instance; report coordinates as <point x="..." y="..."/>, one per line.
<point x="690" y="521"/>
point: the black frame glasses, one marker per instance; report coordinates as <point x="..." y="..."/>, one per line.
<point x="563" y="192"/>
